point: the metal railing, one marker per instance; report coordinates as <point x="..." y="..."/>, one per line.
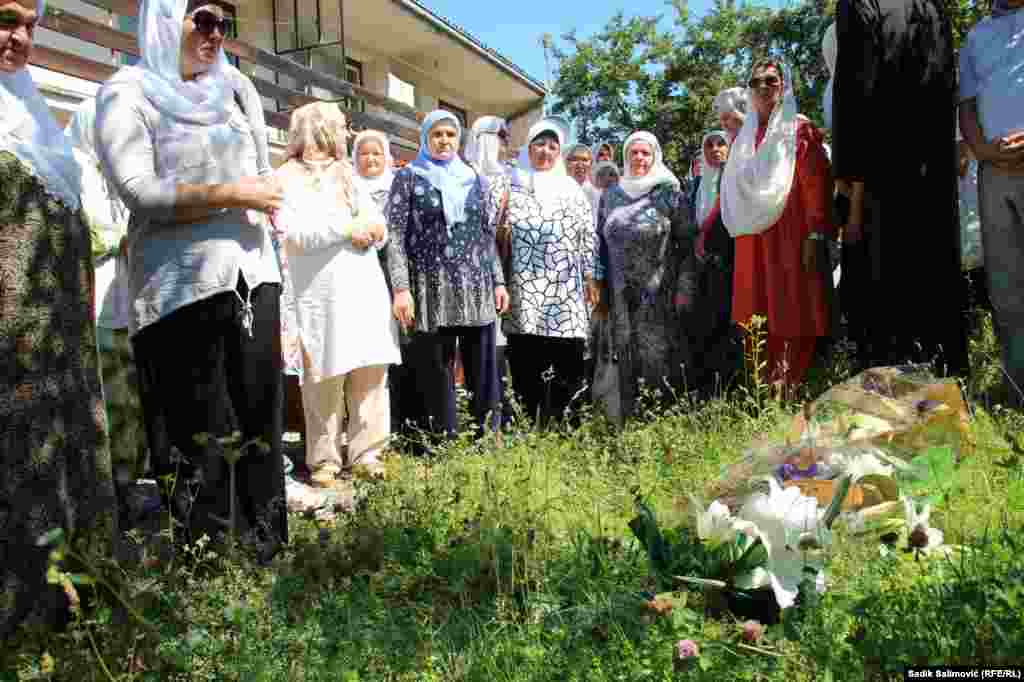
<point x="396" y="118"/>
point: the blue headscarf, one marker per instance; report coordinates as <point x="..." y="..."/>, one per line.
<point x="453" y="179"/>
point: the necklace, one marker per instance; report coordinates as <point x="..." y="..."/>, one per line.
<point x="315" y="169"/>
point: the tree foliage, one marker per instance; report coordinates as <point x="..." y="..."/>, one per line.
<point x="635" y="75"/>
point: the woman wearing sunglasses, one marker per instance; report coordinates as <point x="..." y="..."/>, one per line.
<point x="775" y="196"/>
<point x="205" y="284"/>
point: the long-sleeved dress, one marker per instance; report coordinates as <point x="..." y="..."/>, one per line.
<point x="55" y="469"/>
<point x="770" y="279"/>
<point x="647" y="261"/>
<point x="717" y="345"/>
<point x="347" y="334"/>
<point x="547" y="323"/>
<point x="897" y="55"/>
<point x="451" y="273"/>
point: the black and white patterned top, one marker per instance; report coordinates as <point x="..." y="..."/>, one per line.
<point x="451" y="277"/>
<point x="552" y="255"/>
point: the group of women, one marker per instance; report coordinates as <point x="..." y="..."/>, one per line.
<point x="228" y="272"/>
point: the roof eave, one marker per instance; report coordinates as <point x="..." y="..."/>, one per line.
<point x="420" y="10"/>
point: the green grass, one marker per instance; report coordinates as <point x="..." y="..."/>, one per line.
<point x="516" y="563"/>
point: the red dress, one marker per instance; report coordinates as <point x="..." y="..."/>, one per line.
<point x="770" y="279"/>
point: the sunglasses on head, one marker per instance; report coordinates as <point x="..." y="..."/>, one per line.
<point x="768" y="81"/>
<point x="207" y="22"/>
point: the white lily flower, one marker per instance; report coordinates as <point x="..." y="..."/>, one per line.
<point x="860" y="464"/>
<point x="866" y="464"/>
<point x="716" y="524"/>
<point x="790" y="528"/>
<point x="922" y="535"/>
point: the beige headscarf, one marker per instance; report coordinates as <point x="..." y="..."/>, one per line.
<point x="323" y="126"/>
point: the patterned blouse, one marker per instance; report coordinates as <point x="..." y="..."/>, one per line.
<point x="552" y="255"/>
<point x="452" y="277"/>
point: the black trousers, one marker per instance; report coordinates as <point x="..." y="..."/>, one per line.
<point x="201" y="372"/>
<point x="546" y="374"/>
<point x="428" y="388"/>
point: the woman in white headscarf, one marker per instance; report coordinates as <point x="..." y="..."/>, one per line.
<point x="54" y="461"/>
<point x="731" y="107"/>
<point x="646" y="265"/>
<point x="487" y="146"/>
<point x="375" y="171"/>
<point x="332" y="230"/>
<point x="446" y="279"/>
<point x="108" y="222"/>
<point x="487" y="151"/>
<point x="579" y="162"/>
<point x="776" y="191"/>
<point x="716" y="345"/>
<point x="552" y="243"/>
<point x="178" y="135"/>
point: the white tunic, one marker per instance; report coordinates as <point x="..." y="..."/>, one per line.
<point x="342" y="303"/>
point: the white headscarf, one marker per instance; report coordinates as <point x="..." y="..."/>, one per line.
<point x="830" y="50"/>
<point x="601" y="166"/>
<point x="205" y="100"/>
<point x="29" y="132"/>
<point x="103" y="204"/>
<point x="592" y="192"/>
<point x="483" y="148"/>
<point x="383" y="181"/>
<point x="757" y="180"/>
<point x="659" y="174"/>
<point x="707" y="193"/>
<point x="546" y="184"/>
<point x="731" y="100"/>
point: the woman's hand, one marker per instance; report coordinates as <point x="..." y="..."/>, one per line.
<point x="1006" y="153"/>
<point x="591" y="293"/>
<point x="810" y="254"/>
<point x="362" y="239"/>
<point x="853" y="231"/>
<point x="404" y="309"/>
<point x="682" y="302"/>
<point x="259" y="193"/>
<point x="377" y="232"/>
<point x="501" y="300"/>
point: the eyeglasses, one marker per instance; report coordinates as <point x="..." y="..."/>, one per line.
<point x="768" y="81"/>
<point x="577" y="161"/>
<point x="207" y="22"/>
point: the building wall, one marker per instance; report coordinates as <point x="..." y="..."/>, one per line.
<point x="255" y="27"/>
<point x="520" y="127"/>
